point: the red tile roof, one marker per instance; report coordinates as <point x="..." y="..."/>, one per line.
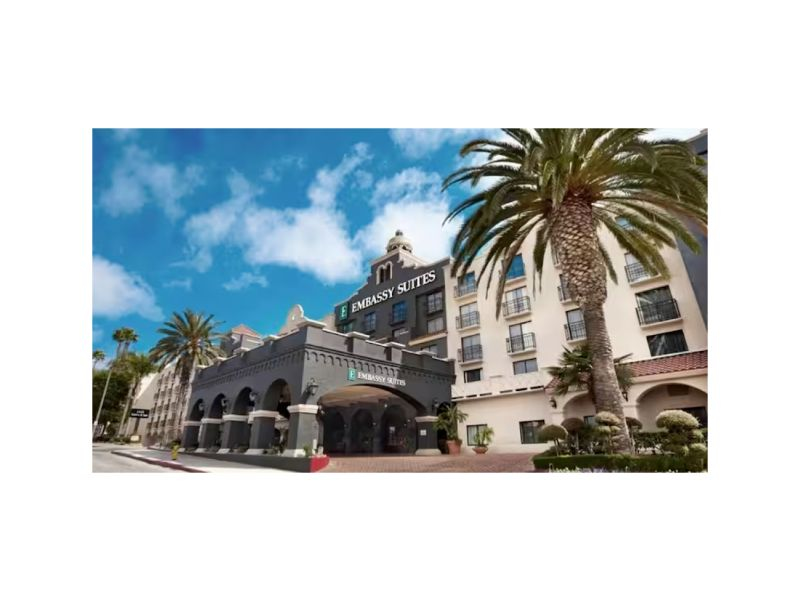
<point x="686" y="361"/>
<point x="244" y="329"/>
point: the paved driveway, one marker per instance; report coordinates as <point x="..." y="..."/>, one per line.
<point x="461" y="463"/>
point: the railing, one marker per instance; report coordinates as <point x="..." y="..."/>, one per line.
<point x="516" y="306"/>
<point x="575" y="330"/>
<point x="469" y="319"/>
<point x="435" y="305"/>
<point x="657" y="312"/>
<point x="474" y="352"/>
<point x="636" y="272"/>
<point x="520" y="343"/>
<point x="462" y="289"/>
<point x="563" y="294"/>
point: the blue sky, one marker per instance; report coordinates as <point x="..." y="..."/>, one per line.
<point x="245" y="223"/>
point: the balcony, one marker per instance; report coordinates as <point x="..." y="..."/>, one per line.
<point x="470" y="319"/>
<point x="575" y="331"/>
<point x="521" y="343"/>
<point x="635" y="272"/>
<point x="517" y="306"/>
<point x="658" y="312"/>
<point x="465" y="289"/>
<point x="470" y="353"/>
<point x="564" y="295"/>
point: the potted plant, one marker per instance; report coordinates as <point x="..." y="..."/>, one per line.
<point x="448" y="422"/>
<point x="482" y="440"/>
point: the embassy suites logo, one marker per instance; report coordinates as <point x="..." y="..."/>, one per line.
<point x="353" y="374"/>
<point x="387" y="294"/>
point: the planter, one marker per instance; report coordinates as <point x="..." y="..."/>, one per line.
<point x="454" y="446"/>
<point x="481" y="449"/>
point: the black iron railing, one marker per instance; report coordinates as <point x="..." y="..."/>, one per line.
<point x="468" y="320"/>
<point x="666" y="310"/>
<point x="575" y="330"/>
<point x="462" y="289"/>
<point x="563" y="294"/>
<point x="516" y="306"/>
<point x="520" y="343"/>
<point x="636" y="271"/>
<point x="474" y="352"/>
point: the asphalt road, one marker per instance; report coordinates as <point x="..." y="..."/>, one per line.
<point x="105" y="462"/>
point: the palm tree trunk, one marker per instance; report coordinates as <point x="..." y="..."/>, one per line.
<point x="578" y="246"/>
<point x="131" y="395"/>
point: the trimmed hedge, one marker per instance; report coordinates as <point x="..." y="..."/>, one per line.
<point x="650" y="463"/>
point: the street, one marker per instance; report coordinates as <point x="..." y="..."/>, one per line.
<point x="105" y="462"/>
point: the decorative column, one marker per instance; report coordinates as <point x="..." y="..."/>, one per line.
<point x="302" y="429"/>
<point x="191" y="431"/>
<point x="209" y="432"/>
<point x="234" y="432"/>
<point x="426" y="437"/>
<point x="262" y="430"/>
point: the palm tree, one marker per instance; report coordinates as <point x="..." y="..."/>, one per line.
<point x="97" y="356"/>
<point x="139" y="365"/>
<point x="575" y="371"/>
<point x="188" y="342"/>
<point x="562" y="186"/>
<point x="124" y="336"/>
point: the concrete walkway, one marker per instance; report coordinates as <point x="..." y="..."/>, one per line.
<point x="460" y="463"/>
<point x="187" y="462"/>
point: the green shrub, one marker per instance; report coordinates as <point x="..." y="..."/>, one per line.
<point x="652" y="463"/>
<point x="553" y="433"/>
<point x="676" y="420"/>
<point x="608" y="419"/>
<point x="573" y="425"/>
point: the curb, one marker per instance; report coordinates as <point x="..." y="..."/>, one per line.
<point x="161" y="463"/>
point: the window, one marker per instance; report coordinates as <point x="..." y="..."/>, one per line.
<point x="435" y="302"/>
<point x="677" y="389"/>
<point x="468" y="315"/>
<point x="529" y="431"/>
<point x="384" y="272"/>
<point x="369" y="322"/>
<point x="576" y="328"/>
<point x="466" y="284"/>
<point x="346" y="327"/>
<point x="634" y="270"/>
<point x="525" y="366"/>
<point x="436" y="325"/>
<point x="516" y="268"/>
<point x="589" y="421"/>
<point x="656" y="305"/>
<point x="667" y="343"/>
<point x="520" y="337"/>
<point x="472" y="431"/>
<point x="472" y="375"/>
<point x="563" y="289"/>
<point x="516" y="301"/>
<point x="433" y="349"/>
<point x="399" y="312"/>
<point x="471" y="347"/>
<point x="698" y="412"/>
<point x="624" y="223"/>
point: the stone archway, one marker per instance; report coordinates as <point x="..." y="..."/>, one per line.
<point x="667" y="396"/>
<point x="580" y="407"/>
<point x="211" y="427"/>
<point x="334" y="439"/>
<point x="235" y="426"/>
<point x="395" y="433"/>
<point x="362" y="432"/>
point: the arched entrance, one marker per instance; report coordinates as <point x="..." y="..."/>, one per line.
<point x="667" y="396"/>
<point x="394" y="431"/>
<point x="441" y="434"/>
<point x="334" y="434"/>
<point x="362" y="432"/>
<point x="235" y="427"/>
<point x="580" y="407"/>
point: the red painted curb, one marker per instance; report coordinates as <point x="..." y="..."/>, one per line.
<point x="160" y="463"/>
<point x="319" y="462"/>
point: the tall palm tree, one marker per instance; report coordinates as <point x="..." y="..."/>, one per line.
<point x="97" y="356"/>
<point x="124" y="336"/>
<point x="562" y="186"/>
<point x="574" y="371"/>
<point x="139" y="366"/>
<point x="188" y="342"/>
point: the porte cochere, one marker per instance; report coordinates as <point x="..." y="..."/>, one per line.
<point x="314" y="390"/>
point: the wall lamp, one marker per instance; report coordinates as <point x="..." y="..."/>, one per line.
<point x="553" y="403"/>
<point x="312" y="387"/>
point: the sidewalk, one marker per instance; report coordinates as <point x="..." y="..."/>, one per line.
<point x="187" y="462"/>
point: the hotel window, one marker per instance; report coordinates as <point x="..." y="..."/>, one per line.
<point x="472" y="375"/>
<point x="471" y="348"/>
<point x="516" y="268"/>
<point x="468" y="315"/>
<point x="433" y="349"/>
<point x="436" y="325"/>
<point x="563" y="290"/>
<point x="399" y="312"/>
<point x="370" y="320"/>
<point x="525" y="366"/>
<point x="472" y="431"/>
<point x="529" y="431"/>
<point x="589" y="421"/>
<point x="576" y="328"/>
<point x="656" y="305"/>
<point x="667" y="343"/>
<point x="698" y="412"/>
<point x="466" y="284"/>
<point x="384" y="272"/>
<point x="624" y="223"/>
<point x="435" y="302"/>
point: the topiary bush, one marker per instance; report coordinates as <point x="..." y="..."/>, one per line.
<point x="681" y="428"/>
<point x="608" y="419"/>
<point x="553" y="433"/>
<point x="574" y="428"/>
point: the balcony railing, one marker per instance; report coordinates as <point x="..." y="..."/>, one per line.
<point x="666" y="310"/>
<point x="636" y="272"/>
<point x="469" y="319"/>
<point x="463" y="289"/>
<point x="469" y="353"/>
<point x="521" y="343"/>
<point x="563" y="294"/>
<point x="575" y="330"/>
<point x="516" y="306"/>
<point x="435" y="305"/>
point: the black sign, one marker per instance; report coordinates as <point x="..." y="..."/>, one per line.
<point x="140" y="413"/>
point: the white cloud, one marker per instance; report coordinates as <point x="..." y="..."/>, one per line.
<point x="122" y="135"/>
<point x="138" y="179"/>
<point x="245" y="280"/>
<point x="416" y="143"/>
<point x="680" y="134"/>
<point x="116" y="293"/>
<point x="180" y="283"/>
<point x="274" y="170"/>
<point x="413" y="202"/>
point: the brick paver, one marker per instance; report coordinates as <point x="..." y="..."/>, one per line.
<point x="461" y="463"/>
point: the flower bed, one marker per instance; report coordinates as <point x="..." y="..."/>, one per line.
<point x="652" y="463"/>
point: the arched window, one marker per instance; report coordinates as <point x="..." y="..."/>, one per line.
<point x="384" y="272"/>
